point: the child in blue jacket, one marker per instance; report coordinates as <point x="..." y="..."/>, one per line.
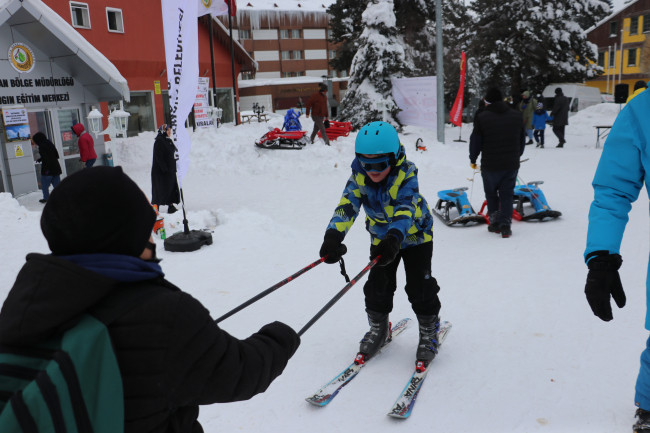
<point x="400" y="224"/>
<point x="540" y="117"/>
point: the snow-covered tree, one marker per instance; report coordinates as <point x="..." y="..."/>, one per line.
<point x="345" y="28"/>
<point x="534" y="43"/>
<point x="380" y="57"/>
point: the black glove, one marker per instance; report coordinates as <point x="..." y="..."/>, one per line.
<point x="602" y="281"/>
<point x="332" y="247"/>
<point x="387" y="248"/>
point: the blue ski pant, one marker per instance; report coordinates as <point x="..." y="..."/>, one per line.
<point x="642" y="396"/>
<point x="421" y="288"/>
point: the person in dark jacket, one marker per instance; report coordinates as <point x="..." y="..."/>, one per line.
<point x="50" y="167"/>
<point x="317" y="106"/>
<point x="499" y="137"/>
<point x="86" y="145"/>
<point x="560" y="115"/>
<point x="172" y="355"/>
<point x="164" y="185"/>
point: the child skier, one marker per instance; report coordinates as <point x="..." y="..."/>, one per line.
<point x="385" y="183"/>
<point x="540" y="116"/>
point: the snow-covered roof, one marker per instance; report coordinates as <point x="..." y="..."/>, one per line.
<point x="40" y="24"/>
<point x="617" y="9"/>
<point x="284" y="81"/>
<point x="284" y="5"/>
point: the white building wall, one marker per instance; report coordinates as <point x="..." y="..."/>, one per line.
<point x="265" y="35"/>
<point x="313" y="72"/>
<point x="314" y="34"/>
<point x="261" y="56"/>
<point x="272" y="74"/>
<point x="315" y="54"/>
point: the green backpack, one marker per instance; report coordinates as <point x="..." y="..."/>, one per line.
<point x="70" y="383"/>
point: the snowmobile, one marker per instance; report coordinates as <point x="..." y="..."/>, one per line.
<point x="530" y="193"/>
<point x="278" y="139"/>
<point x="456" y="201"/>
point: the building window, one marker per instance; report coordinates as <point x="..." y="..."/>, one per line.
<point x="631" y="57"/>
<point x="293" y="74"/>
<point x="296" y="55"/>
<point x="247" y="75"/>
<point x="612" y="59"/>
<point x="80" y="15"/>
<point x="285" y="55"/>
<point x="284" y="34"/>
<point x="244" y="34"/>
<point x="646" y="23"/>
<point x="601" y="59"/>
<point x="634" y="25"/>
<point x="290" y="34"/>
<point x="115" y="22"/>
<point x="613" y="28"/>
<point x="332" y="54"/>
<point x="291" y="55"/>
<point x="295" y="33"/>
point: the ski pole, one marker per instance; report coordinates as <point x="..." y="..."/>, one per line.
<point x="339" y="295"/>
<point x="273" y="288"/>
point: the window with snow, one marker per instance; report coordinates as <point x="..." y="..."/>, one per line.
<point x="80" y="15"/>
<point x="634" y="25"/>
<point x="613" y="28"/>
<point x="631" y="57"/>
<point x="114" y="19"/>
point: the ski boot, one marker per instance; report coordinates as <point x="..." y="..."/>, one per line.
<point x="374" y="339"/>
<point x="428" y="345"/>
<point x="643" y="424"/>
<point x="505" y="230"/>
<point x="494" y="226"/>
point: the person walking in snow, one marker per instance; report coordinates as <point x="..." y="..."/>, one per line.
<point x="50" y="167"/>
<point x="172" y="356"/>
<point x="164" y="185"/>
<point x="527" y="107"/>
<point x="619" y="178"/>
<point x="499" y="138"/>
<point x="560" y="115"/>
<point x="385" y="184"/>
<point x="540" y="117"/>
<point x="86" y="145"/>
<point x="317" y="106"/>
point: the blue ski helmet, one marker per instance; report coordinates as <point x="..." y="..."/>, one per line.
<point x="377" y="138"/>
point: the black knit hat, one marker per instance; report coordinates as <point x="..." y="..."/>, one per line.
<point x="97" y="210"/>
<point x="493" y="95"/>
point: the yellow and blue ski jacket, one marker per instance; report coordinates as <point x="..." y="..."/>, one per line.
<point x="393" y="204"/>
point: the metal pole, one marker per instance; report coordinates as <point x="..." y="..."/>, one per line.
<point x="232" y="66"/>
<point x="620" y="67"/>
<point x="609" y="59"/>
<point x="439" y="73"/>
<point x="214" y="79"/>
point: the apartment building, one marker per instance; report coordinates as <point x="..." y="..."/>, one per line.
<point x="623" y="46"/>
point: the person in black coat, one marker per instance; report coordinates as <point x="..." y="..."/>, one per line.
<point x="171" y="354"/>
<point x="50" y="167"/>
<point x="560" y="115"/>
<point x="500" y="138"/>
<point x="164" y="185"/>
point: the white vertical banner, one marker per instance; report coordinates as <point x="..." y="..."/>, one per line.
<point x="417" y="98"/>
<point x="180" y="27"/>
<point x="201" y="117"/>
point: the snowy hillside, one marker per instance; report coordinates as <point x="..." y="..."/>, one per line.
<point x="525" y="353"/>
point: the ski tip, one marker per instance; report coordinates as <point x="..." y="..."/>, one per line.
<point x="317" y="401"/>
<point x="398" y="415"/>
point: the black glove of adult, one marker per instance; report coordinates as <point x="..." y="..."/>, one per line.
<point x="602" y="281"/>
<point x="387" y="249"/>
<point x="332" y="248"/>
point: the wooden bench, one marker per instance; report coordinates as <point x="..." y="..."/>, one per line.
<point x="602" y="131"/>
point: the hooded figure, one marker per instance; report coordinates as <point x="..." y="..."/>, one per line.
<point x="86" y="145"/>
<point x="50" y="167"/>
<point x="164" y="186"/>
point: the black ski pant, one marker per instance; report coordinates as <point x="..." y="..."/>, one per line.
<point x="499" y="187"/>
<point x="539" y="136"/>
<point x="558" y="130"/>
<point x="421" y="288"/>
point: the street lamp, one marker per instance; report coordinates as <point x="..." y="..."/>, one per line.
<point x="95" y="121"/>
<point x="118" y="121"/>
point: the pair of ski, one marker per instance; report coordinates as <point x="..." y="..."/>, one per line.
<point x="404" y="404"/>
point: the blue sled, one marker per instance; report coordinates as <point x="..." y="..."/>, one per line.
<point x="530" y="193"/>
<point x="453" y="208"/>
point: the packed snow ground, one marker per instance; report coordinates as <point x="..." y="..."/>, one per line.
<point x="525" y="353"/>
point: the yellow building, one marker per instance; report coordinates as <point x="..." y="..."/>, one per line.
<point x="623" y="47"/>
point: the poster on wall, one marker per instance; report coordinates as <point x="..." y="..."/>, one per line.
<point x="16" y="124"/>
<point x="201" y="117"/>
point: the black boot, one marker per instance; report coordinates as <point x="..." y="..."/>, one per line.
<point x="506" y="232"/>
<point x="171" y="209"/>
<point x="643" y="424"/>
<point x="374" y="339"/>
<point x="428" y="345"/>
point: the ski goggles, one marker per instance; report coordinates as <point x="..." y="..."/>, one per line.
<point x="374" y="164"/>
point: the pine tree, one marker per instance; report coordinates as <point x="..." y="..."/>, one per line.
<point x="379" y="58"/>
<point x="345" y="29"/>
<point x="535" y="43"/>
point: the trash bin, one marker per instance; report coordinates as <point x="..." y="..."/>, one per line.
<point x="108" y="159"/>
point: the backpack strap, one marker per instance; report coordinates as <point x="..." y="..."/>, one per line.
<point x="123" y="300"/>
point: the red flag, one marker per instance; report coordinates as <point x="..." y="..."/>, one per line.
<point x="456" y="114"/>
<point x="233" y="6"/>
